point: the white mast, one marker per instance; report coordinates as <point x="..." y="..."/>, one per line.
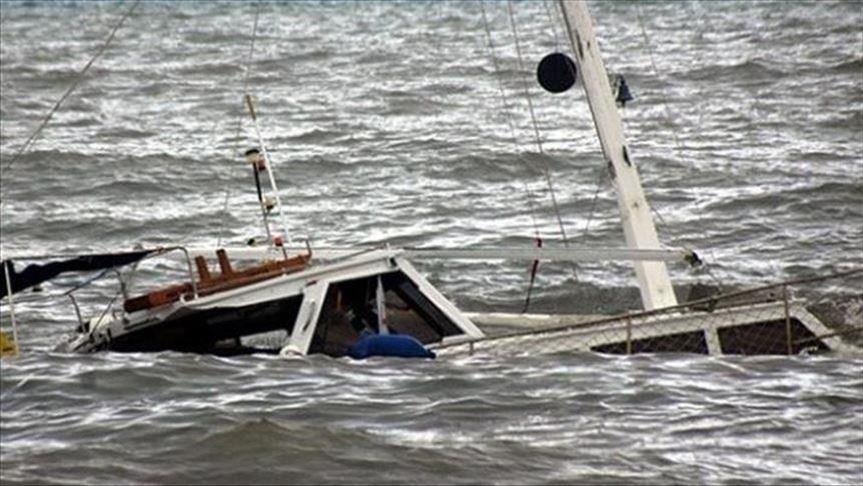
<point x="638" y="227"/>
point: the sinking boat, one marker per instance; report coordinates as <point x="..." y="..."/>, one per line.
<point x="373" y="302"/>
<point x="317" y="308"/>
<point x="327" y="307"/>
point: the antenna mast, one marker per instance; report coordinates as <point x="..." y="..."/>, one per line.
<point x="269" y="169"/>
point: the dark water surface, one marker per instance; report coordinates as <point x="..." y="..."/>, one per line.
<point x="386" y="125"/>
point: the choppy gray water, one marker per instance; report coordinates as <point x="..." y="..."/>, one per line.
<point x="386" y="125"/>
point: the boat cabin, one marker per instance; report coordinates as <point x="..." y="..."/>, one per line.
<point x="299" y="308"/>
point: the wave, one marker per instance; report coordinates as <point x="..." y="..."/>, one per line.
<point x="750" y="70"/>
<point x="854" y="66"/>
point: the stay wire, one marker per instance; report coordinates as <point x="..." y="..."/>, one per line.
<point x="508" y="116"/>
<point x="599" y="179"/>
<point x="554" y="16"/>
<point x="236" y="145"/>
<point x="678" y="145"/>
<point x="650" y="54"/>
<point x="29" y="142"/>
<point x="663" y="99"/>
<point x="553" y="24"/>
<point x="536" y="126"/>
<point x="513" y="136"/>
<point x="35" y="135"/>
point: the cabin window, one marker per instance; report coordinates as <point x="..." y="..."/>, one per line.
<point x="350" y="308"/>
<point x="223" y="331"/>
<point x="684" y="342"/>
<point x="769" y="337"/>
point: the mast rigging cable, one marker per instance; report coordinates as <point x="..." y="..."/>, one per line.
<point x="235" y="147"/>
<point x="29" y="142"/>
<point x="536" y="126"/>
<point x="511" y="126"/>
<point x="508" y="115"/>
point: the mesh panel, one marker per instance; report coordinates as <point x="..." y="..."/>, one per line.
<point x="769" y="337"/>
<point x="681" y="342"/>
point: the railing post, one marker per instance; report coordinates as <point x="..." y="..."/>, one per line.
<point x="628" y="333"/>
<point x="789" y="345"/>
<point x="191" y="272"/>
<point x="123" y="289"/>
<point x="77" y="310"/>
<point x="6" y="265"/>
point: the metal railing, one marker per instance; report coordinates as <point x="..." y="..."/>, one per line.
<point x="763" y="320"/>
<point x="123" y="283"/>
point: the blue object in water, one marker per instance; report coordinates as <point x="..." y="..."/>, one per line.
<point x="398" y="345"/>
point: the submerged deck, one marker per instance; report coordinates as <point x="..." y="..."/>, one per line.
<point x="749" y="330"/>
<point x="760" y="321"/>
